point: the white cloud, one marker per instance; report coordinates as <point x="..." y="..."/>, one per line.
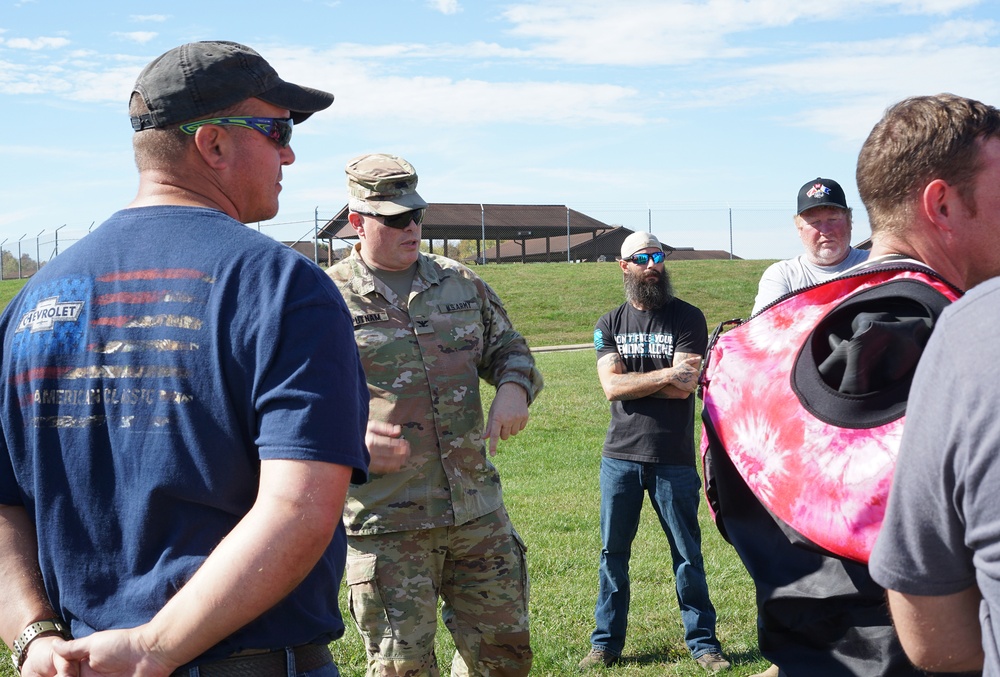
<point x="446" y="6"/>
<point x="841" y="89"/>
<point x="141" y="37"/>
<point x="35" y="44"/>
<point x="934" y="7"/>
<point x="663" y="32"/>
<point x="141" y="18"/>
<point x="75" y="79"/>
<point x="107" y="86"/>
<point x="444" y="101"/>
<point x="471" y="50"/>
<point x="360" y="87"/>
<point x="882" y="80"/>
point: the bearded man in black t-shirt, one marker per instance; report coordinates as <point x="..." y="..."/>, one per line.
<point x="649" y="353"/>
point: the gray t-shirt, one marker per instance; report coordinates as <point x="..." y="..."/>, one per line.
<point x="791" y="274"/>
<point x="941" y="533"/>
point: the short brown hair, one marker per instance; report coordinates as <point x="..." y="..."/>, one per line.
<point x="161" y="148"/>
<point x="918" y="140"/>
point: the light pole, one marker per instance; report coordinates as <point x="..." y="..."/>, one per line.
<point x="316" y="236"/>
<point x="38" y="256"/>
<point x="19" y="255"/>
<point x="57" y="238"/>
<point x="730" y="233"/>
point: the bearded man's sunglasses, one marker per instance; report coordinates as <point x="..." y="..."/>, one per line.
<point x="643" y="259"/>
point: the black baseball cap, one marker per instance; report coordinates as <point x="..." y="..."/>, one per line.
<point x="821" y="193"/>
<point x="199" y="78"/>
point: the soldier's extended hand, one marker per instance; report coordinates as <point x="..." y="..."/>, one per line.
<point x="508" y="414"/>
<point x="386" y="446"/>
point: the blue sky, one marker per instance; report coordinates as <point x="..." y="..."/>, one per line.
<point x="614" y="108"/>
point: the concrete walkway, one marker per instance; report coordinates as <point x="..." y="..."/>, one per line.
<point x="573" y="346"/>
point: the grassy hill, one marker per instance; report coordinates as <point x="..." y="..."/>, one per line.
<point x="558" y="304"/>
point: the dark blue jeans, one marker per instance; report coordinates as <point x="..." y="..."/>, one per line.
<point x="675" y="494"/>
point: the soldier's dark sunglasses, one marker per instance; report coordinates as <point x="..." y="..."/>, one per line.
<point x="401" y="221"/>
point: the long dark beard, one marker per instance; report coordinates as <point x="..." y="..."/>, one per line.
<point x="648" y="294"/>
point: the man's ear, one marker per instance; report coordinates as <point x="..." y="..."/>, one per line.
<point x="213" y="143"/>
<point x="941" y="204"/>
<point x="357" y="223"/>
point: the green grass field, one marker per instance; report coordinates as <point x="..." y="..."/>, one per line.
<point x="550" y="478"/>
<point x="8" y="288"/>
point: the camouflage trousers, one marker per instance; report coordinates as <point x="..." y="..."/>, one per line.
<point x="477" y="569"/>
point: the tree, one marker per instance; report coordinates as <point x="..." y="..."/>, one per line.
<point x="9" y="265"/>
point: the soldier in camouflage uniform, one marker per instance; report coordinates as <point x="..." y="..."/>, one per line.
<point x="431" y="522"/>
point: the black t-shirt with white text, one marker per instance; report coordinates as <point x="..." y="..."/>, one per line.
<point x="651" y="429"/>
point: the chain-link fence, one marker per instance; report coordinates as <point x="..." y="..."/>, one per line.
<point x="22" y="257"/>
<point x="475" y="233"/>
<point x="485" y="233"/>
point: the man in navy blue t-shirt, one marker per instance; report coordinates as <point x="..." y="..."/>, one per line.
<point x="182" y="407"/>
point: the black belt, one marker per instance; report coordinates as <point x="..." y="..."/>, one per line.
<point x="269" y="664"/>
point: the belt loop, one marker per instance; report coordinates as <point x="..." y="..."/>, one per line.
<point x="290" y="661"/>
<point x="194" y="671"/>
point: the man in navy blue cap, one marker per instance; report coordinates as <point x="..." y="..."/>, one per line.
<point x="823" y="222"/>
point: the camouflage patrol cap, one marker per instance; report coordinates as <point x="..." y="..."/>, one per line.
<point x="382" y="184"/>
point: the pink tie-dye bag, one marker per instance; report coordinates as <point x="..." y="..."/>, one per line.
<point x="807" y="399"/>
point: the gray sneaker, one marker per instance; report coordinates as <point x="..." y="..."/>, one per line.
<point x="713" y="662"/>
<point x="598" y="658"/>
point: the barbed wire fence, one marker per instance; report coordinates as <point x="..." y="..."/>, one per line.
<point x="718" y="229"/>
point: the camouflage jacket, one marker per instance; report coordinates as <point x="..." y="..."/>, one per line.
<point x="424" y="357"/>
